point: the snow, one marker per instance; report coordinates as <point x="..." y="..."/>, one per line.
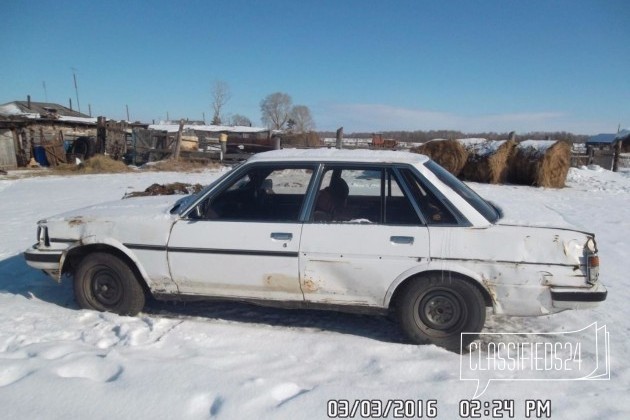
<point x="86" y="120"/>
<point x="539" y="146"/>
<point x="10" y="109"/>
<point x="232" y="360"/>
<point x="481" y="147"/>
<point x="343" y="155"/>
<point x="174" y="128"/>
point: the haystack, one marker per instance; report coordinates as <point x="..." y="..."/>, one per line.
<point x="97" y="164"/>
<point x="450" y="154"/>
<point x="487" y="160"/>
<point x="541" y="163"/>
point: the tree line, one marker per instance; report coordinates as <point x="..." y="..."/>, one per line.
<point x="279" y="113"/>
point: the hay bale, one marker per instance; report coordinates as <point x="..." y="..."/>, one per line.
<point x="98" y="164"/>
<point x="487" y="160"/>
<point x="541" y="163"/>
<point x="450" y="154"/>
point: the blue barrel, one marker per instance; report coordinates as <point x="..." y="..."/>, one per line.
<point x="40" y="156"/>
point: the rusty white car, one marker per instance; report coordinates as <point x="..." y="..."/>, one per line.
<point x="350" y="230"/>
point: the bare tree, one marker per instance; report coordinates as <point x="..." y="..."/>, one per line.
<point x="275" y="109"/>
<point x="302" y="119"/>
<point x="242" y="120"/>
<point x="220" y="95"/>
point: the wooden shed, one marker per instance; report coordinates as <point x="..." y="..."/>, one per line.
<point x="30" y="129"/>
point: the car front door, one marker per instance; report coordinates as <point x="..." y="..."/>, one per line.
<point x="353" y="250"/>
<point x="242" y="241"/>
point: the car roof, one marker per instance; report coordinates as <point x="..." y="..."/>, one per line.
<point x="337" y="155"/>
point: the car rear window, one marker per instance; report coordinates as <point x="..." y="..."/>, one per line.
<point x="486" y="209"/>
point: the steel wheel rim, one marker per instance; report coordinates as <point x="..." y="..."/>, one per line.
<point x="106" y="287"/>
<point x="440" y="310"/>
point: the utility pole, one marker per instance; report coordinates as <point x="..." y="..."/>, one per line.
<point x="127" y="107"/>
<point x="45" y="91"/>
<point x="76" y="87"/>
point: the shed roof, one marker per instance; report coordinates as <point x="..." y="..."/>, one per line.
<point x="44" y="109"/>
<point x="602" y="139"/>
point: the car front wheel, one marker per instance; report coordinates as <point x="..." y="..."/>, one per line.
<point x="437" y="309"/>
<point x="106" y="283"/>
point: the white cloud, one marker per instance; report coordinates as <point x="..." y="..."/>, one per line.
<point x="379" y="117"/>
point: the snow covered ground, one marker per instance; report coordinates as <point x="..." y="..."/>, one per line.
<point x="232" y="361"/>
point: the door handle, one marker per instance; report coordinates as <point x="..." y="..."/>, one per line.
<point x="404" y="240"/>
<point x="281" y="236"/>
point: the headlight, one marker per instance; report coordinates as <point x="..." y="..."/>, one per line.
<point x="591" y="246"/>
<point x="42" y="235"/>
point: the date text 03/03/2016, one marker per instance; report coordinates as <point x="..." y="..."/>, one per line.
<point x="370" y="408"/>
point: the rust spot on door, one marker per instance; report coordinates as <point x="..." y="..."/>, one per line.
<point x="278" y="281"/>
<point x="309" y="285"/>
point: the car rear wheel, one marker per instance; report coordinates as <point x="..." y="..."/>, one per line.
<point x="437" y="309"/>
<point x="106" y="283"/>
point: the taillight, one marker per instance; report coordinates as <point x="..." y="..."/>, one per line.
<point x="592" y="268"/>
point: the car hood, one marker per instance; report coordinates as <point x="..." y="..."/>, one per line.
<point x="143" y="207"/>
<point x="141" y="220"/>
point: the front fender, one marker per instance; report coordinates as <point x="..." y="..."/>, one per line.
<point x="161" y="283"/>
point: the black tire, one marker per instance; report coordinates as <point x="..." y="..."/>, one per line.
<point x="84" y="147"/>
<point x="106" y="283"/>
<point x="436" y="309"/>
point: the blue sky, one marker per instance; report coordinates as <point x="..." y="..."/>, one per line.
<point x="365" y="65"/>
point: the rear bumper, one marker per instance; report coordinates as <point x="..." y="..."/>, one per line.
<point x="578" y="298"/>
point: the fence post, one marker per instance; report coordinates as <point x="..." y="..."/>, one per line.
<point x="101" y="134"/>
<point x="178" y="141"/>
<point x="615" y="167"/>
<point x="340" y="138"/>
<point x="223" y="138"/>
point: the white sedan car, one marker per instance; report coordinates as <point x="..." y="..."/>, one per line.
<point x="350" y="230"/>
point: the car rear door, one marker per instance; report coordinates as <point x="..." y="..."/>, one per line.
<point x="354" y="257"/>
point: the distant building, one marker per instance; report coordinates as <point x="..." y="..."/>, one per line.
<point x="26" y="126"/>
<point x="609" y="141"/>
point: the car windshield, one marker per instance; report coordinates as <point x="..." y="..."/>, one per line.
<point x="486" y="209"/>
<point x="182" y="204"/>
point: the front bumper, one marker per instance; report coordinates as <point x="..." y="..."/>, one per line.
<point x="43" y="259"/>
<point x="578" y="297"/>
